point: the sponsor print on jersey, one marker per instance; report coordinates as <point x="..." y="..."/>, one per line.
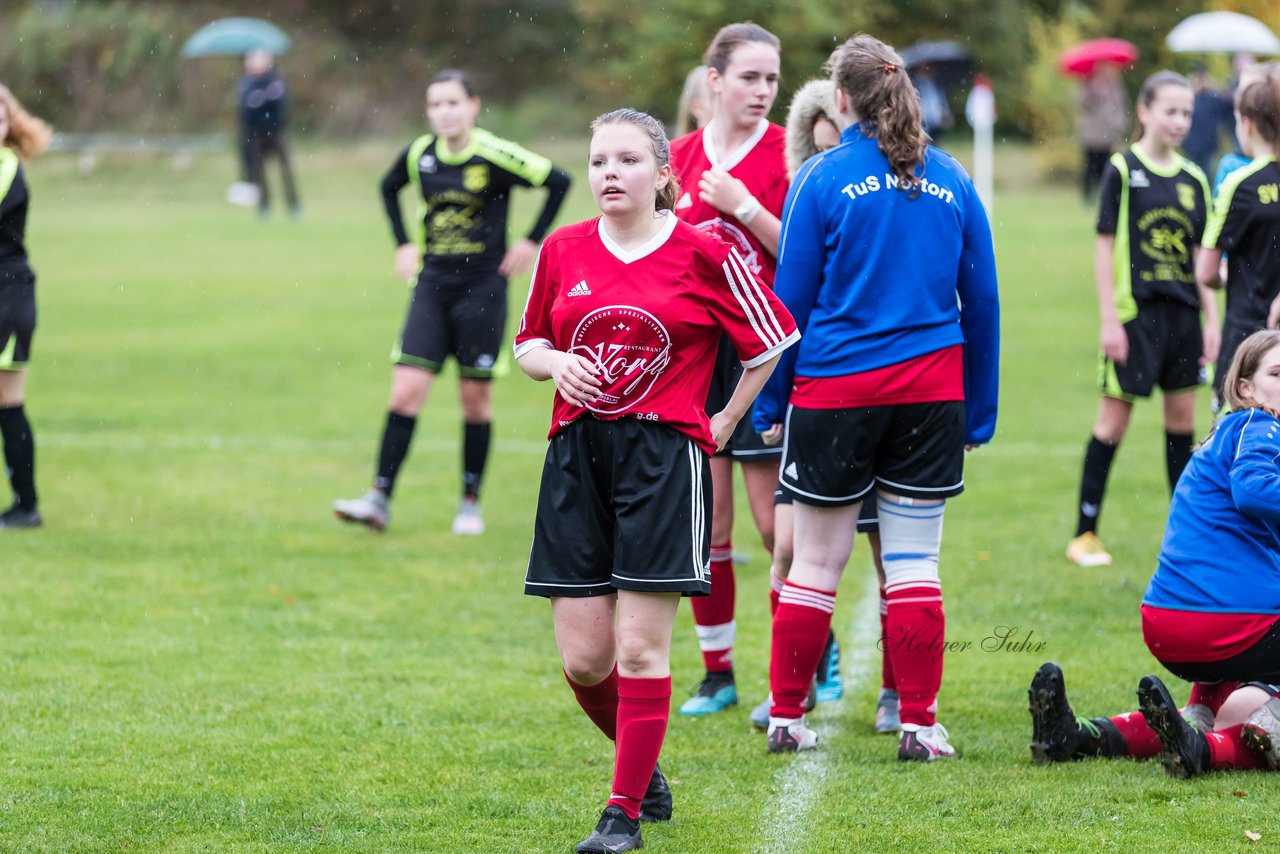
<point x="630" y="349"/>
<point x="1187" y="196"/>
<point x="475" y="178"/>
<point x="736" y="238"/>
<point x="427" y="163"/>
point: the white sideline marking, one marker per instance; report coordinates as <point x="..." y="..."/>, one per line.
<point x="800" y="784"/>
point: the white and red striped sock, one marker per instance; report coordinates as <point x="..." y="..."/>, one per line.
<point x="713" y="615"/>
<point x="916" y="627"/>
<point x="800" y="628"/>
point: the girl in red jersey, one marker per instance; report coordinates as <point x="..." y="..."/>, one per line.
<point x="735" y="176"/>
<point x="624" y="315"/>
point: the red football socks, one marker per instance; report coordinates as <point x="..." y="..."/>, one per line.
<point x="1140" y="740"/>
<point x="600" y="702"/>
<point x="1227" y="750"/>
<point x="800" y="628"/>
<point x="915" y="626"/>
<point x="713" y="615"/>
<point x="643" y="708"/>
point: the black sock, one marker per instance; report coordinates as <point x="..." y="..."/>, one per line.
<point x="19" y="455"/>
<point x="1107" y="742"/>
<point x="1177" y="453"/>
<point x="1093" y="483"/>
<point x="475" y="452"/>
<point x="396" y="437"/>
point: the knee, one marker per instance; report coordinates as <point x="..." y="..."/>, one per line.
<point x="586" y="668"/>
<point x="638" y="656"/>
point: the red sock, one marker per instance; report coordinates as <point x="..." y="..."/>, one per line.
<point x="1209" y="695"/>
<point x="1227" y="750"/>
<point x="800" y="628"/>
<point x="886" y="663"/>
<point x="916" y="627"/>
<point x="713" y="615"/>
<point x="643" y="708"/>
<point x="600" y="702"/>
<point x="775" y="590"/>
<point x="1140" y="740"/>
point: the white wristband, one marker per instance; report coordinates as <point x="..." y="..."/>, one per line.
<point x="747" y="211"/>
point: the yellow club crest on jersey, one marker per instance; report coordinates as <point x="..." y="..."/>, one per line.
<point x="476" y="178"/>
<point x="1187" y="196"/>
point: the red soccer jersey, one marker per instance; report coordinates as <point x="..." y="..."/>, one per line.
<point x="760" y="163"/>
<point x="650" y="320"/>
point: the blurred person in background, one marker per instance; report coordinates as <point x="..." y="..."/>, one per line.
<point x="262" y="101"/>
<point x="22" y="136"/>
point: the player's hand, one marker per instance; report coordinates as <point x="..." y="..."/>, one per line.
<point x="1212" y="343"/>
<point x="772" y="436"/>
<point x="1115" y="342"/>
<point x="721" y="190"/>
<point x="575" y="379"/>
<point x="407" y="259"/>
<point x="518" y="257"/>
<point x="722" y="426"/>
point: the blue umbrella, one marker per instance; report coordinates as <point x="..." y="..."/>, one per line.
<point x="235" y="37"/>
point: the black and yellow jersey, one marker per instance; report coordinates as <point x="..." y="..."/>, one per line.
<point x="1158" y="215"/>
<point x="1246" y="225"/>
<point x="14" y="197"/>
<point x="463" y="199"/>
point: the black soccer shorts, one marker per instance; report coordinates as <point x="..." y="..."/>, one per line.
<point x="17" y="324"/>
<point x="836" y="457"/>
<point x="464" y="321"/>
<point x="1165" y="346"/>
<point x="623" y="505"/>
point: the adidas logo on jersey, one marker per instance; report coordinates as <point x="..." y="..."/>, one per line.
<point x="580" y="289"/>
<point x="1138" y="178"/>
<point x="791" y="472"/>
<point x="685" y="201"/>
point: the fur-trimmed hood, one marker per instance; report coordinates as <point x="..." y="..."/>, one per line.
<point x="813" y="100"/>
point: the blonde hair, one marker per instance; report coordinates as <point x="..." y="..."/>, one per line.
<point x="665" y="199"/>
<point x="874" y="79"/>
<point x="28" y="136"/>
<point x="1244" y="365"/>
<point x="695" y="90"/>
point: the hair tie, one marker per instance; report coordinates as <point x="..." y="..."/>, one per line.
<point x="889" y="68"/>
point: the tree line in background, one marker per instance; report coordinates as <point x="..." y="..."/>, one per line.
<point x="359" y="67"/>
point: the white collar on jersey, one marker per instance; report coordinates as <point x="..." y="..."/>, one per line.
<point x="650" y="246"/>
<point x="735" y="156"/>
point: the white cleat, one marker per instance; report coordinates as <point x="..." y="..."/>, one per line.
<point x="371" y="510"/>
<point x="468" y="522"/>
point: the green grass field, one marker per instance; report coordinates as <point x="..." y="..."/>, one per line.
<point x="195" y="656"/>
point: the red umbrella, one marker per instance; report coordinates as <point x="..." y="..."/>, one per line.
<point x="1081" y="60"/>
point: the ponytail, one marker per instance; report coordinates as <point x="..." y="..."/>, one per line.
<point x="872" y="76"/>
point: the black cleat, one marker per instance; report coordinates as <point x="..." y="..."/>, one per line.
<point x="17" y="517"/>
<point x="1184" y="750"/>
<point x="615" y="832"/>
<point x="1054" y="730"/>
<point x="656" y="805"/>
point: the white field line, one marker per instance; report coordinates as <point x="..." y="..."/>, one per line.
<point x="800" y="784"/>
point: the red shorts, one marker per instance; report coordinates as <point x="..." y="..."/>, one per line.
<point x="1191" y="636"/>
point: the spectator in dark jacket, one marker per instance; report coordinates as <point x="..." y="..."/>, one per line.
<point x="262" y="99"/>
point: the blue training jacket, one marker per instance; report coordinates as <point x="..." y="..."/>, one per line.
<point x="1221" y="549"/>
<point x="874" y="277"/>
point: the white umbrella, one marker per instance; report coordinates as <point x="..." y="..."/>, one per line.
<point x="1222" y="32"/>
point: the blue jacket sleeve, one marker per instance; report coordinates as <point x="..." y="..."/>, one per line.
<point x="1255" y="475"/>
<point x="801" y="257"/>
<point x="979" y="321"/>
